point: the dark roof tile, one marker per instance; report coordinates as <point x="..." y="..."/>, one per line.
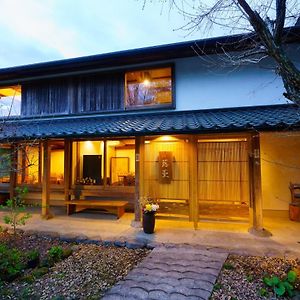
<point x="163" y="122"/>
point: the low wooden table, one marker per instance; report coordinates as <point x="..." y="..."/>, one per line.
<point x="117" y="206"/>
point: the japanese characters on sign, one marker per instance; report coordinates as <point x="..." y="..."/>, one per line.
<point x="165" y="160"/>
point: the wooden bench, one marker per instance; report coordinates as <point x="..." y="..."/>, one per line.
<point x="77" y="204"/>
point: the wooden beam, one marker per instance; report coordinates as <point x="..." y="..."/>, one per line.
<point x="46" y="181"/>
<point x="139" y="176"/>
<point x="77" y="167"/>
<point x="40" y="163"/>
<point x="104" y="163"/>
<point x="256" y="215"/>
<point x="13" y="171"/>
<point x="193" y="170"/>
<point x="67" y="167"/>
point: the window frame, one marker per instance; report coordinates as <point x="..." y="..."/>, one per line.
<point x="171" y="105"/>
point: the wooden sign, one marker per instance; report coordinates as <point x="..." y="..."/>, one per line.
<point x="165" y="161"/>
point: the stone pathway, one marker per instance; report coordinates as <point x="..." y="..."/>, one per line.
<point x="171" y="273"/>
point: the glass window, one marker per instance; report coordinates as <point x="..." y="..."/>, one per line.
<point x="10" y="101"/>
<point x="28" y="164"/>
<point x="149" y="88"/>
<point x="5" y="165"/>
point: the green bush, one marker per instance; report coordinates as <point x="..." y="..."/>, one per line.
<point x="16" y="210"/>
<point x="33" y="258"/>
<point x="11" y="264"/>
<point x="284" y="286"/>
<point x="39" y="272"/>
<point x="56" y="253"/>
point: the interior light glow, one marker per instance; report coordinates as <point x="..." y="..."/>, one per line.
<point x="89" y="144"/>
<point x="146" y="82"/>
<point x="166" y="138"/>
<point x="113" y="143"/>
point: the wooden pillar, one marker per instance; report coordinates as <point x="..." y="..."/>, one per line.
<point x="40" y="163"/>
<point x="77" y="167"/>
<point x="193" y="172"/>
<point x="67" y="167"/>
<point x="13" y="171"/>
<point x="104" y="163"/>
<point x="139" y="177"/>
<point x="24" y="168"/>
<point x="256" y="214"/>
<point x="46" y="181"/>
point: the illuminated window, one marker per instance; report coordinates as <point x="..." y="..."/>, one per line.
<point x="10" y="101"/>
<point x="5" y="165"/>
<point x="149" y="88"/>
<point x="28" y="164"/>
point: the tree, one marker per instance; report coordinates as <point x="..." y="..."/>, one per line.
<point x="264" y="21"/>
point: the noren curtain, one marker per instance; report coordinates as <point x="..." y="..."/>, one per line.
<point x="223" y="172"/>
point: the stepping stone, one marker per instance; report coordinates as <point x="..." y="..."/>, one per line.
<point x="172" y="273"/>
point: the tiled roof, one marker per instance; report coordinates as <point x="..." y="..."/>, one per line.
<point x="161" y="122"/>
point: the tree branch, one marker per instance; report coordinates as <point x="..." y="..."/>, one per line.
<point x="280" y="19"/>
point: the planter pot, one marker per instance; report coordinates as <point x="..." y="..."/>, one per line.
<point x="294" y="212"/>
<point x="149" y="222"/>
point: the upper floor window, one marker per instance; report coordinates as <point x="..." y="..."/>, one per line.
<point x="10" y="101"/>
<point x="149" y="88"/>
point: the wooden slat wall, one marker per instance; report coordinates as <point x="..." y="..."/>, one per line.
<point x="174" y="196"/>
<point x="74" y="95"/>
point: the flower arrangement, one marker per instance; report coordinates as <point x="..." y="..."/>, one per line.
<point x="86" y="180"/>
<point x="149" y="205"/>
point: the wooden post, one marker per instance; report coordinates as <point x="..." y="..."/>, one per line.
<point x="40" y="163"/>
<point x="13" y="171"/>
<point x="46" y="181"/>
<point x="77" y="167"/>
<point x="139" y="178"/>
<point x="193" y="171"/>
<point x="104" y="163"/>
<point x="67" y="168"/>
<point x="256" y="214"/>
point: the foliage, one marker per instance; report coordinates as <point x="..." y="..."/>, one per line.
<point x="33" y="258"/>
<point x="263" y="292"/>
<point x="284" y="286"/>
<point x="11" y="264"/>
<point x="217" y="286"/>
<point x="16" y="210"/>
<point x="67" y="252"/>
<point x="265" y="20"/>
<point x="55" y="253"/>
<point x="228" y="266"/>
<point x="39" y="272"/>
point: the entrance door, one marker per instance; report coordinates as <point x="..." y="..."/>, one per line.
<point x="92" y="167"/>
<point x="223" y="183"/>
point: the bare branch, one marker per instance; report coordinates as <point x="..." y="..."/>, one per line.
<point x="280" y="20"/>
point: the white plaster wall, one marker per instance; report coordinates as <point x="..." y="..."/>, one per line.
<point x="201" y="83"/>
<point x="280" y="165"/>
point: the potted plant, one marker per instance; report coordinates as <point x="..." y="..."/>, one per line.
<point x="149" y="210"/>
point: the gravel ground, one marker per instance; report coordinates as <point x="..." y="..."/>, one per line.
<point x="241" y="276"/>
<point x="86" y="274"/>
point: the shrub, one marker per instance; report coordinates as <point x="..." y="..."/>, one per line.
<point x="284" y="286"/>
<point x="39" y="272"/>
<point x="16" y="210"/>
<point x="11" y="264"/>
<point x="33" y="258"/>
<point x="56" y="253"/>
<point x="67" y="252"/>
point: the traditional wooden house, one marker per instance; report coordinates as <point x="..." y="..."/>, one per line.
<point x="171" y="122"/>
